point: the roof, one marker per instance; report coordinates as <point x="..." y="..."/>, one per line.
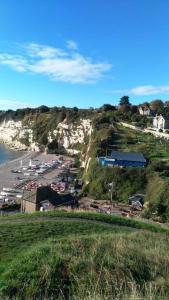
<point x="59" y="199"/>
<point x="164" y="117"/>
<point x="144" y="106"/>
<point x="128" y="156"/>
<point x="136" y="196"/>
<point x="45" y="193"/>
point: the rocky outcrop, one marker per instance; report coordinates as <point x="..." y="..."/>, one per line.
<point x="68" y="136"/>
<point x="13" y="133"/>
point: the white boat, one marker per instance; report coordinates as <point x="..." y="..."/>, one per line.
<point x="21" y="163"/>
<point x="19" y="196"/>
<point x="4" y="193"/>
<point x="30" y="163"/>
<point x="40" y="171"/>
<point x="10" y="194"/>
<point x="6" y="189"/>
<point x="10" y="190"/>
<point x="44" y="167"/>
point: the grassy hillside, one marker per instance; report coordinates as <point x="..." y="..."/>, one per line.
<point x="82" y="256"/>
<point x="109" y="135"/>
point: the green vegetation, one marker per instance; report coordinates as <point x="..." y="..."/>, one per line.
<point x="157" y="197"/>
<point x="126" y="182"/>
<point x="110" y="219"/>
<point x="43" y="257"/>
<point x="25" y="140"/>
<point x="22" y="234"/>
<point x="153" y="148"/>
<point x="43" y="120"/>
<point x="107" y="135"/>
<point x="43" y="123"/>
<point x="124" y="100"/>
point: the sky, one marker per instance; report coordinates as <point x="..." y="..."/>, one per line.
<point x="83" y="53"/>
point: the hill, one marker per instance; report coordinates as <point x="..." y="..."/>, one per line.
<point x="88" y="134"/>
<point x="62" y="255"/>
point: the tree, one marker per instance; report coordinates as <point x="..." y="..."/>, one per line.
<point x="124" y="100"/>
<point x="134" y="109"/>
<point x="107" y="107"/>
<point x="124" y="108"/>
<point x="75" y="109"/>
<point x="157" y="105"/>
<point x="157" y="196"/>
<point x="145" y="104"/>
<point x="43" y="108"/>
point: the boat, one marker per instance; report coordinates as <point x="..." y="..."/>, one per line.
<point x="19" y="196"/>
<point x="11" y="190"/>
<point x="6" y="189"/>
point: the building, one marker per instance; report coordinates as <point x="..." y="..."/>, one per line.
<point x="135" y="198"/>
<point x="124" y="159"/>
<point x="44" y="198"/>
<point x="161" y="123"/>
<point x="144" y="110"/>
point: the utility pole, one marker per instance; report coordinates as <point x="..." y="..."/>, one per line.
<point x="111" y="185"/>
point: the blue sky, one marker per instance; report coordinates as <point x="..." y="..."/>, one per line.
<point x="83" y="52"/>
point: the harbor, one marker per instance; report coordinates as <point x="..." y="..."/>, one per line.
<point x="31" y="171"/>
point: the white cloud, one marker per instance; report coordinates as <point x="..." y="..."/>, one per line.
<point x="72" y="45"/>
<point x="145" y="90"/>
<point x="75" y="70"/>
<point x="13" y="104"/>
<point x="36" y="50"/>
<point x="56" y="63"/>
<point x="17" y="63"/>
<point x="149" y="90"/>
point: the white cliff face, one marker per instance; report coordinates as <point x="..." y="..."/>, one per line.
<point x="14" y="133"/>
<point x="69" y="135"/>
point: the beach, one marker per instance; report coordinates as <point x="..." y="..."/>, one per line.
<point x="9" y="179"/>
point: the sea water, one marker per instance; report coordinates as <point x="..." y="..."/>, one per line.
<point x="7" y="154"/>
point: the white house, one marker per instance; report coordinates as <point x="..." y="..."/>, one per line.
<point x="144" y="110"/>
<point x="161" y="122"/>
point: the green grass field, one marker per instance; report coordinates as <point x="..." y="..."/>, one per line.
<point x="130" y="140"/>
<point x="61" y="255"/>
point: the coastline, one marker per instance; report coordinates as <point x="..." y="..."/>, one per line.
<point x="10" y="179"/>
<point x="7" y="178"/>
<point x="27" y="154"/>
<point x="15" y="146"/>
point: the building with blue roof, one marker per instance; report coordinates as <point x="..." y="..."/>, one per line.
<point x="124" y="159"/>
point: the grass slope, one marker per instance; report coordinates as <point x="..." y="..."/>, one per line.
<point x="110" y="219"/>
<point x="63" y="255"/>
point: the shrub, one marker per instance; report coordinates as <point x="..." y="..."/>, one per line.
<point x="157" y="197"/>
<point x="126" y="181"/>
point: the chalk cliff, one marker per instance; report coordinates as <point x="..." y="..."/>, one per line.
<point x="19" y="136"/>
